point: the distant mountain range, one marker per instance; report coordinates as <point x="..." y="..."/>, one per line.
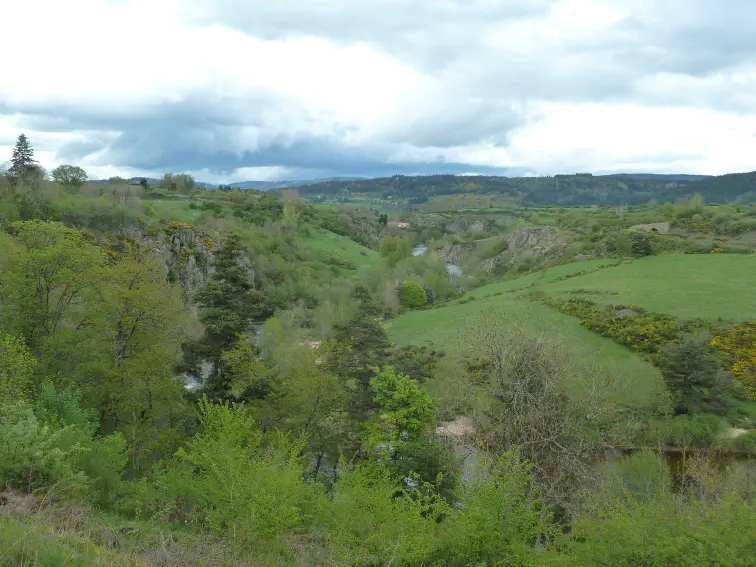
<point x="562" y="189"/>
<point x="259" y="185"/>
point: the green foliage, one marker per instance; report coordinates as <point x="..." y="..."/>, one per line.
<point x="697" y="430"/>
<point x="502" y="518"/>
<point x="22" y="161"/>
<point x="640" y="477"/>
<point x="694" y="377"/>
<point x="403" y="410"/>
<point x="238" y="485"/>
<point x="30" y="543"/>
<point x="70" y="176"/>
<point x="640" y="244"/>
<point x="394" y="249"/>
<point x="412" y="294"/>
<point x="738" y="344"/>
<point x="181" y="182"/>
<point x="101" y="459"/>
<point x="47" y="271"/>
<point x="640" y="330"/>
<point x="35" y="455"/>
<point x="16" y="370"/>
<point x="667" y="529"/>
<point x="228" y="302"/>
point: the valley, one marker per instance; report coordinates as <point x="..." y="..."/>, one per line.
<point x="346" y="354"/>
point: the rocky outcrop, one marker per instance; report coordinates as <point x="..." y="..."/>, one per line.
<point x="456" y="225"/>
<point x="531" y="242"/>
<point x="453" y="253"/>
<point x="187" y="255"/>
<point x="539" y="240"/>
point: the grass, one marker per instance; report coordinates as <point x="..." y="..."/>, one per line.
<point x="36" y="545"/>
<point x="327" y="244"/>
<point x="540" y="277"/>
<point x="683" y="285"/>
<point x="175" y="210"/>
<point x="443" y="328"/>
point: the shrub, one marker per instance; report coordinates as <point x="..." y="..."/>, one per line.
<point x="739" y="345"/>
<point x="412" y="294"/>
<point x="237" y="485"/>
<point x="34" y="455"/>
<point x="669" y="529"/>
<point x="699" y="430"/>
<point x="694" y="377"/>
<point x="640" y="244"/>
<point x="642" y="332"/>
<point x="16" y="369"/>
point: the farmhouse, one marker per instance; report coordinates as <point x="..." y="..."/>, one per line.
<point x="398" y="224"/>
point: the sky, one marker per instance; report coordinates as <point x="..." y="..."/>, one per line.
<point x="233" y="90"/>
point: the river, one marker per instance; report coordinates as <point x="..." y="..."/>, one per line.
<point x="452" y="269"/>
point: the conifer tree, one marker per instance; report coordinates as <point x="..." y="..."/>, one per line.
<point x="227" y="303"/>
<point x="23" y="158"/>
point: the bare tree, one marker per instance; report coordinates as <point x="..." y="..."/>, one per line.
<point x="561" y="417"/>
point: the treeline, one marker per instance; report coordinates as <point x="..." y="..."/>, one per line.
<point x="562" y="190"/>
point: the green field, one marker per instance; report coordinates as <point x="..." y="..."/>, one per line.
<point x="541" y="277"/>
<point x="687" y="286"/>
<point x="327" y="244"/>
<point x="444" y="328"/>
<point x="683" y="285"/>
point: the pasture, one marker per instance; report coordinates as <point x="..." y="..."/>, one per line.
<point x="444" y="329"/>
<point x="683" y="285"/>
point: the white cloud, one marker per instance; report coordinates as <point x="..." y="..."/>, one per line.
<point x="237" y="88"/>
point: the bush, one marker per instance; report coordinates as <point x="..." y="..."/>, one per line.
<point x="34" y="455"/>
<point x="251" y="492"/>
<point x="642" y="332"/>
<point x="412" y="294"/>
<point x="694" y="377"/>
<point x="669" y="529"/>
<point x="698" y="430"/>
<point x="640" y="244"/>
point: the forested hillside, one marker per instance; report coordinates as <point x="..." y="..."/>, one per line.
<point x="226" y="377"/>
<point x="563" y="190"/>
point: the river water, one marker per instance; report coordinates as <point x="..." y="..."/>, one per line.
<point x="452" y="269"/>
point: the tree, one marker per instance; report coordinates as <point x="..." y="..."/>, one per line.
<point x="16" y="370"/>
<point x="138" y="338"/>
<point x="70" y="176"/>
<point x="394" y="249"/>
<point x="184" y="183"/>
<point x="558" y="428"/>
<point x="694" y="377"/>
<point x="362" y="346"/>
<point x="404" y="410"/>
<point x="227" y="303"/>
<point x="412" y="294"/>
<point x="22" y="160"/>
<point x="143" y="182"/>
<point x="640" y="244"/>
<point x="48" y="274"/>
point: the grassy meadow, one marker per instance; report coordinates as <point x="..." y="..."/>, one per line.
<point x="687" y="286"/>
<point x="444" y="329"/>
<point x="327" y="245"/>
<point x="683" y="285"/>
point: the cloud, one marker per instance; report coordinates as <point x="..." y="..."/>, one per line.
<point x="335" y="87"/>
